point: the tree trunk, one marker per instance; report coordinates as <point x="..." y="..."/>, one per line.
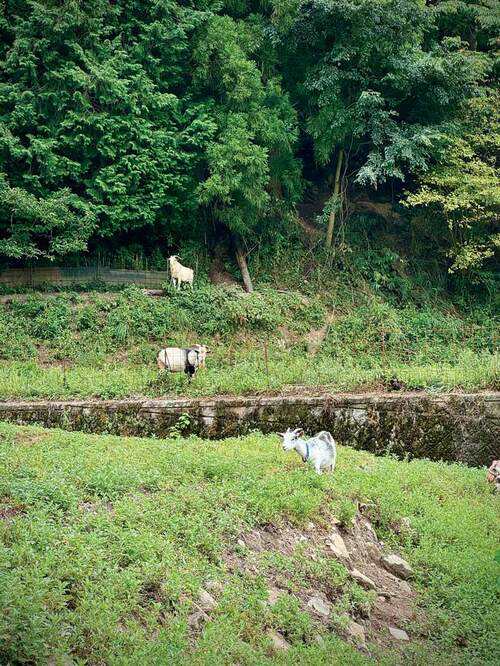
<point x="336" y="192"/>
<point x="242" y="263"/>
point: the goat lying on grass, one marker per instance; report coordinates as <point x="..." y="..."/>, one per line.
<point x="180" y="273"/>
<point x="320" y="450"/>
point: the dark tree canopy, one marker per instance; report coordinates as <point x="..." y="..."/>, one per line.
<point x="166" y="118"/>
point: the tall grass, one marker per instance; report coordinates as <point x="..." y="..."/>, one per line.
<point x="248" y="373"/>
<point x="71" y="346"/>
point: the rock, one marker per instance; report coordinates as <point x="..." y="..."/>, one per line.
<point x="404" y="588"/>
<point x="400" y="525"/>
<point x="356" y="632"/>
<point x="279" y="643"/>
<point x="215" y="586"/>
<point x="310" y="526"/>
<point x="363" y="580"/>
<point x="196" y="619"/>
<point x="336" y="543"/>
<point x="397" y="565"/>
<point x="364" y="522"/>
<point x="273" y="594"/>
<point x="373" y="552"/>
<point x="153" y="292"/>
<point x="241" y="543"/>
<point x="206" y="602"/>
<point x="319" y="605"/>
<point x="399" y="634"/>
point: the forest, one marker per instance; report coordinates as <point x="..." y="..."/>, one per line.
<point x="209" y="126"/>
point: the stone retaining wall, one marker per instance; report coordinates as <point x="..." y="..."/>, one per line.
<point x="454" y="427"/>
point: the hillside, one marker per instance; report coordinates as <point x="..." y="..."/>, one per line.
<point x="127" y="551"/>
<point x="333" y="333"/>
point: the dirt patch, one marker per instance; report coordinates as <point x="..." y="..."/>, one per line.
<point x="29" y="439"/>
<point x="9" y="512"/>
<point x="46" y="359"/>
<point x="315" y="337"/>
<point x="218" y="276"/>
<point x="96" y="507"/>
<point x="288" y="339"/>
<point x="359" y="550"/>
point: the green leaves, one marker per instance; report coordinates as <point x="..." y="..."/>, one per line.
<point x="118" y="119"/>
<point x="57" y="224"/>
<point x="461" y="190"/>
<point x="373" y="82"/>
<point x="93" y="137"/>
<point x="252" y="156"/>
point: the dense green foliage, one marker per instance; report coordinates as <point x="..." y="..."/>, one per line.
<point x="177" y="121"/>
<point x="105" y="345"/>
<point x="106" y="542"/>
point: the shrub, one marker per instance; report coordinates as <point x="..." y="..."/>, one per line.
<point x="15" y="343"/>
<point x="44" y="318"/>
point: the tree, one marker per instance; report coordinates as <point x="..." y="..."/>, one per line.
<point x="373" y="85"/>
<point x="47" y="227"/>
<point x="251" y="160"/>
<point x="460" y="194"/>
<point x="92" y="125"/>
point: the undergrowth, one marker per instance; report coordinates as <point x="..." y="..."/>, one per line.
<point x="105" y="345"/>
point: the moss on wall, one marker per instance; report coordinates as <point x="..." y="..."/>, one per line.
<point x="456" y="427"/>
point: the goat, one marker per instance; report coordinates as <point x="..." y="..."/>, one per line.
<point x="320" y="450"/>
<point x="493" y="475"/>
<point x="176" y="359"/>
<point x="180" y="273"/>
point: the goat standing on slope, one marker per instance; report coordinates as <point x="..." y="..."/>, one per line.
<point x="180" y="273"/>
<point x="320" y="450"/>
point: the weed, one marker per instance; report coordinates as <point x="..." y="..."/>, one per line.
<point x="109" y="344"/>
<point x="182" y="425"/>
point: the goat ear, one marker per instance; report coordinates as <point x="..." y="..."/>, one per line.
<point x="281" y="434"/>
<point x="298" y="432"/>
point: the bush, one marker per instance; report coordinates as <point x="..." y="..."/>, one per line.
<point x="15" y="343"/>
<point x="44" y="318"/>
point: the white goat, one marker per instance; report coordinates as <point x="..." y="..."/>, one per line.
<point x="176" y="359"/>
<point x="180" y="273"/>
<point x="320" y="450"/>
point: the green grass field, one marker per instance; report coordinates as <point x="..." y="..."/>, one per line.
<point x="105" y="543"/>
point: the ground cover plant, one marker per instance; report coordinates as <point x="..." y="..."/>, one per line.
<point x="106" y="544"/>
<point x="104" y="345"/>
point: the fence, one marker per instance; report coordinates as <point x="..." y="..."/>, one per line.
<point x="57" y="275"/>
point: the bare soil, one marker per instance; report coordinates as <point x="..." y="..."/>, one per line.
<point x="396" y="600"/>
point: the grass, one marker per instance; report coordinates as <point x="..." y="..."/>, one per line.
<point x="82" y="345"/>
<point x="245" y="373"/>
<point x="105" y="543"/>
